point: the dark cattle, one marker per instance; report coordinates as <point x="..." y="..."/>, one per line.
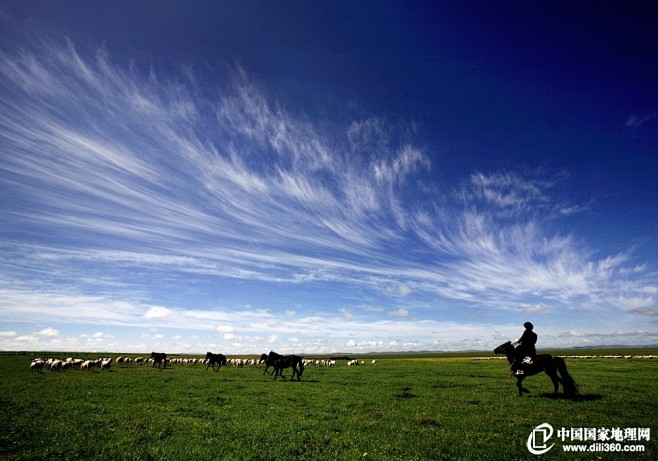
<point x="215" y="359"/>
<point x="279" y="362"/>
<point x="541" y="362"/>
<point x="159" y="358"/>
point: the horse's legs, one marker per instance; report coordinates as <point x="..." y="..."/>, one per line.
<point x="519" y="384"/>
<point x="277" y="373"/>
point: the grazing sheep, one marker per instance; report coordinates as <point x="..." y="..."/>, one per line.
<point x="37" y="365"/>
<point x="105" y="364"/>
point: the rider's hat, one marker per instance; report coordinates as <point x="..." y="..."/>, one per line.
<point x="528" y="325"/>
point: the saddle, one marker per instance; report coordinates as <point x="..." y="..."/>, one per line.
<point x="518" y="367"/>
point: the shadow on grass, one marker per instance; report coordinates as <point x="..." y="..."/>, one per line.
<point x="577" y="398"/>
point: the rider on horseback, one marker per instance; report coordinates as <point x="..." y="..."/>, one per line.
<point x="525" y="349"/>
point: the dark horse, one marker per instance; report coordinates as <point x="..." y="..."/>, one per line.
<point x="159" y="358"/>
<point x="264" y="358"/>
<point x="279" y="362"/>
<point x="541" y="362"/>
<point x="215" y="359"/>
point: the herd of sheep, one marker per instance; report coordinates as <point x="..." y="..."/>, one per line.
<point x="53" y="364"/>
<point x="104" y="363"/>
<point x="616" y="356"/>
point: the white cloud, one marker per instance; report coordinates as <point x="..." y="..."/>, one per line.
<point x="48" y="332"/>
<point x="26" y="338"/>
<point x="404" y="290"/>
<point x="535" y="309"/>
<point x="156" y="312"/>
<point x="645" y="310"/>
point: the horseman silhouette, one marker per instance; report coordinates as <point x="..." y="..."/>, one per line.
<point x="524" y="349"/>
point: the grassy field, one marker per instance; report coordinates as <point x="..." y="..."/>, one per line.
<point x="405" y="407"/>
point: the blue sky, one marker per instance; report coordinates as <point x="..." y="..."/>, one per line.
<point x="362" y="176"/>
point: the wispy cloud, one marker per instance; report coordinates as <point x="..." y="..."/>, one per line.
<point x="637" y="121"/>
<point x="119" y="177"/>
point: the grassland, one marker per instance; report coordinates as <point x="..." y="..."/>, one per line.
<point x="404" y="408"/>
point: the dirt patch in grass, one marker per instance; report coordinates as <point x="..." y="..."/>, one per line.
<point x="427" y="422"/>
<point x="405" y="394"/>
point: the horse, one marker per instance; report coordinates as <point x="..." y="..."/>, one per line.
<point x="159" y="358"/>
<point x="215" y="359"/>
<point x="279" y="362"/>
<point x="554" y="367"/>
<point x="264" y="358"/>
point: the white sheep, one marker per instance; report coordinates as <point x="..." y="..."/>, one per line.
<point x="36" y="365"/>
<point x="105" y="364"/>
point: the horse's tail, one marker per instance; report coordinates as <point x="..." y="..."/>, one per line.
<point x="568" y="383"/>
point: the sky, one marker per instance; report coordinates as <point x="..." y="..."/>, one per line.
<point x="320" y="177"/>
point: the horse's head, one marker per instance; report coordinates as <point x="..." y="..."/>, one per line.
<point x="503" y="348"/>
<point x="208" y="355"/>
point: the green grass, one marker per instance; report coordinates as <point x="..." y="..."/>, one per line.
<point x="403" y="408"/>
